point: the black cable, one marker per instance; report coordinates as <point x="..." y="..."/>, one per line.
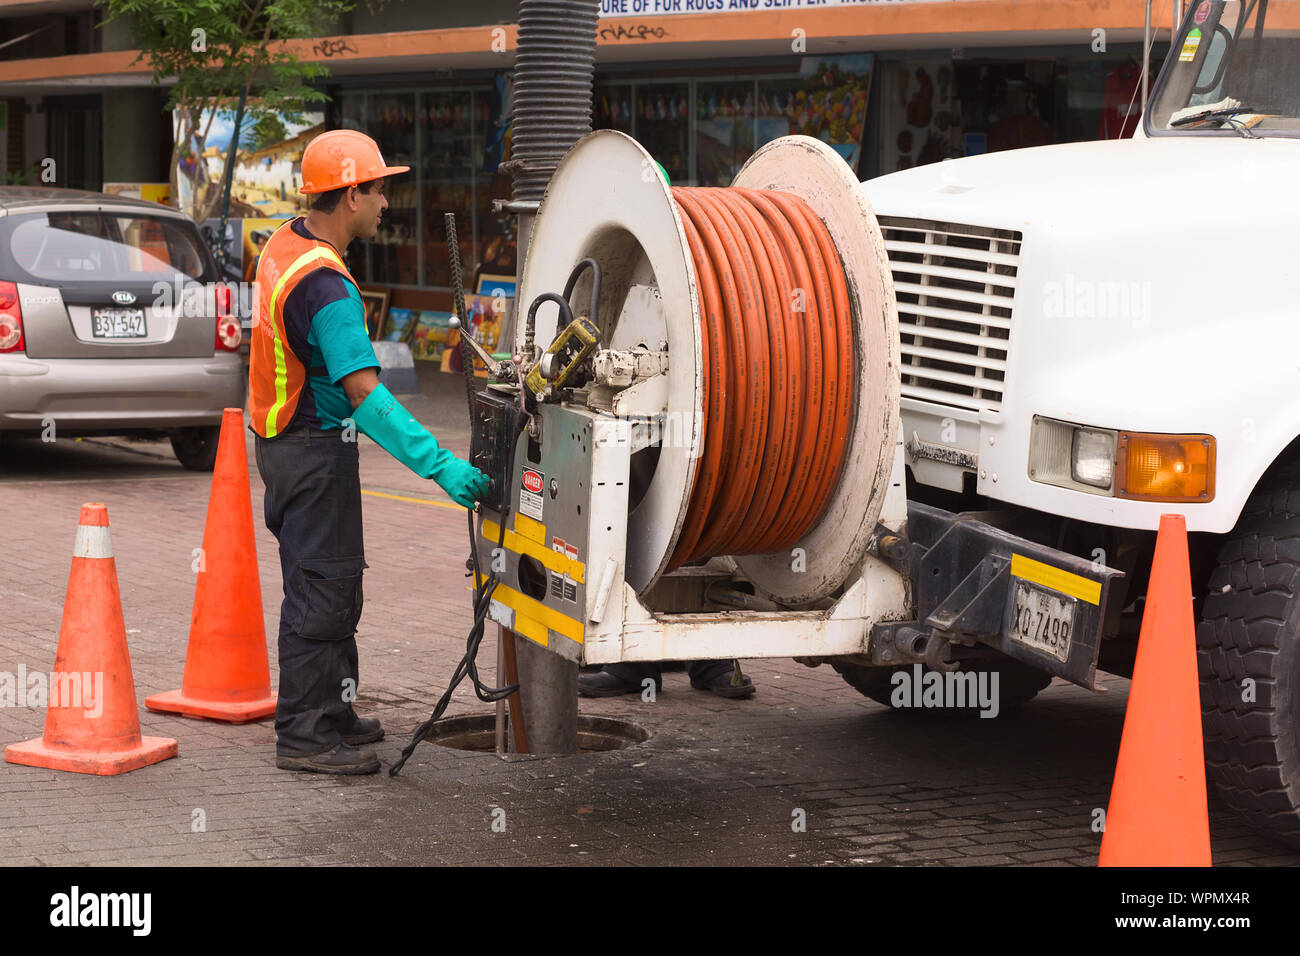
<point x="483" y="588"/>
<point x="468" y="666"/>
<point x="595" y="287"/>
<point x="566" y="313"/>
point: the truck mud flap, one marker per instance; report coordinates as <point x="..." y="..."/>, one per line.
<point x="1038" y="605"/>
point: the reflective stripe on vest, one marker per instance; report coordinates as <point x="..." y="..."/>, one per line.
<point x="277" y="372"/>
<point x="281" y="365"/>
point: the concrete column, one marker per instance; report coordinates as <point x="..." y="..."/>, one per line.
<point x="133" y="124"/>
<point x="35" y="135"/>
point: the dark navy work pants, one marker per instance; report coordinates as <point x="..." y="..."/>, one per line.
<point x="313" y="507"/>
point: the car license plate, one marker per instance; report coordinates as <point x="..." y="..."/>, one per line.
<point x="1042" y="619"/>
<point x="118" y="323"/>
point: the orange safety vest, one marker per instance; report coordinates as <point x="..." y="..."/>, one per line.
<point x="276" y="374"/>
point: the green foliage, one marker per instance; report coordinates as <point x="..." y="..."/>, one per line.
<point x="214" y="47"/>
<point x="26" y="176"/>
<point x="212" y="50"/>
<point x="267" y="130"/>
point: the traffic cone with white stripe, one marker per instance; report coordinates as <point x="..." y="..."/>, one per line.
<point x="227" y="676"/>
<point x="92" y="724"/>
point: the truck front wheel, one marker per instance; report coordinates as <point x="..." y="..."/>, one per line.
<point x="1248" y="644"/>
<point x="1017" y="684"/>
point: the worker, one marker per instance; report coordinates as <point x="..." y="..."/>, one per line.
<point x="723" y="678"/>
<point x="313" y="383"/>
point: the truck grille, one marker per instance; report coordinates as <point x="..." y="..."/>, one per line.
<point x="955" y="284"/>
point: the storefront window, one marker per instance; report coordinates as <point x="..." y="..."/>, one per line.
<point x="827" y="101"/>
<point x="392" y="255"/>
<point x="448" y="146"/>
<point x="446" y="137"/>
<point x="611" y="107"/>
<point x="702" y="130"/>
<point x="663" y="125"/>
<point x="724" y="130"/>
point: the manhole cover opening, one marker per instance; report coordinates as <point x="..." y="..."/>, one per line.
<point x="477" y="732"/>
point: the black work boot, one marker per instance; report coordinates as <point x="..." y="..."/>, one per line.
<point x="342" y="760"/>
<point x="365" y="730"/>
<point x="612" y="681"/>
<point x="725" y="679"/>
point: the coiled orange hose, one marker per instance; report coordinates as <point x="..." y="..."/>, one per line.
<point x="778" y="374"/>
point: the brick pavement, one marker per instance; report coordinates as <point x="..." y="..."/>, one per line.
<point x="718" y="782"/>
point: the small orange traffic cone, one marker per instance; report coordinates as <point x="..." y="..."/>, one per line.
<point x="91" y="722"/>
<point x="226" y="673"/>
<point x="1157" y="814"/>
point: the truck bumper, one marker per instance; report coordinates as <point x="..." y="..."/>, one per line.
<point x="975" y="581"/>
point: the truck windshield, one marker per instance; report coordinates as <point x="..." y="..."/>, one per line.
<point x="1234" y="67"/>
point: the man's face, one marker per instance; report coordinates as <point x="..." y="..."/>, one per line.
<point x="369" y="208"/>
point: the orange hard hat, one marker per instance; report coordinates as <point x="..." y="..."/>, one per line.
<point x="343" y="157"/>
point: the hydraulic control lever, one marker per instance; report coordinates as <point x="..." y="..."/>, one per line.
<point x="501" y="371"/>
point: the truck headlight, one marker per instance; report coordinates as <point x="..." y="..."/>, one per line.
<point x="1137" y="465"/>
<point x="1072" y="456"/>
<point x="1092" y="457"/>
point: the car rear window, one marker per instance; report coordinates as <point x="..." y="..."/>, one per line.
<point x="91" y="246"/>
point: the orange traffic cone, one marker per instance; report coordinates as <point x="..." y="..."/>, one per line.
<point x="91" y="722"/>
<point x="1157" y="814"/>
<point x="226" y="674"/>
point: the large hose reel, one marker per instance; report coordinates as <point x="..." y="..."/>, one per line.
<point x="772" y="306"/>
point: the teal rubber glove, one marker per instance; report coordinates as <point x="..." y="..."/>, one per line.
<point x="382" y="417"/>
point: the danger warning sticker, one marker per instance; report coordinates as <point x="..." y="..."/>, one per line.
<point x="530" y="494"/>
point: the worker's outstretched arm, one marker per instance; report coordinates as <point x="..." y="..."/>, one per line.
<point x="381" y="416"/>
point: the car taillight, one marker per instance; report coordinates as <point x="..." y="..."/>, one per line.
<point x="229" y="333"/>
<point x="224" y="299"/>
<point x="11" y="319"/>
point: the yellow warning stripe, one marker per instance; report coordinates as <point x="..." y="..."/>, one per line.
<point x="536" y="612"/>
<point x="281" y="366"/>
<point x="535" y="631"/>
<point x="533" y="530"/>
<point x="549" y="557"/>
<point x="1056" y="579"/>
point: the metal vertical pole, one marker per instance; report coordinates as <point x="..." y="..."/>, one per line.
<point x="549" y="688"/>
<point x="1146" y="58"/>
<point x="501" y="682"/>
<point x="227" y="180"/>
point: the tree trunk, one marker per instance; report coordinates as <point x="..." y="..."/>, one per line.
<point x="174" y="172"/>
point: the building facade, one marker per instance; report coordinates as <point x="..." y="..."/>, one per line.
<point x="701" y="83"/>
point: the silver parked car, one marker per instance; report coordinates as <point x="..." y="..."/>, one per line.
<point x="113" y="321"/>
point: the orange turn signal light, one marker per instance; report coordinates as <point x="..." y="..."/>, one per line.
<point x="1165" y="467"/>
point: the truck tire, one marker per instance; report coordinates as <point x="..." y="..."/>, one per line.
<point x="1250" y="628"/>
<point x="1017" y="684"/>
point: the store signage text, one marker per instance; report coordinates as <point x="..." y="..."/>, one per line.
<point x="659" y="8"/>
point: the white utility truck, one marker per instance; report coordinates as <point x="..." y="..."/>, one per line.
<point x="1140" y="355"/>
<point x="929" y="422"/>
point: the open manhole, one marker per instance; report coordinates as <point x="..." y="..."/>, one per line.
<point x="477" y="732"/>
